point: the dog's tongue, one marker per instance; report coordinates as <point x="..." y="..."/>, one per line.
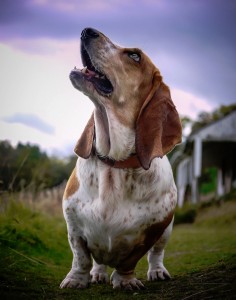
<point x="99" y="80"/>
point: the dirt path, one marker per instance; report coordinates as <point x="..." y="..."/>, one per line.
<point x="216" y="283"/>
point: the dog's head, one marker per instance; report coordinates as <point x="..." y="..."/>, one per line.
<point x="125" y="81"/>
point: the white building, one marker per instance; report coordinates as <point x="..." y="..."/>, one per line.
<point x="211" y="146"/>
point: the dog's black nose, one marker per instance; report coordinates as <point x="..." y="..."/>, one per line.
<point x="89" y="33"/>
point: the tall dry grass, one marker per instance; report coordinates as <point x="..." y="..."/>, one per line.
<point x="48" y="201"/>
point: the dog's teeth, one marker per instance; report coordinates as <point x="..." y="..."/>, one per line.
<point x="84" y="70"/>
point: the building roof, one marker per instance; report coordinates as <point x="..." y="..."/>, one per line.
<point x="220" y="130"/>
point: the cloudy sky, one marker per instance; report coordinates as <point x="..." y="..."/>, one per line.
<point x="193" y="42"/>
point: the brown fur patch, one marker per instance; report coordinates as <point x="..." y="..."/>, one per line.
<point x="110" y="179"/>
<point x="72" y="185"/>
<point x="91" y="179"/>
<point x="150" y="236"/>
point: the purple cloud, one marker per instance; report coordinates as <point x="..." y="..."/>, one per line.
<point x="197" y="37"/>
<point x="160" y="19"/>
<point x="30" y="120"/>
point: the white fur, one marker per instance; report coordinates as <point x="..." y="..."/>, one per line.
<point x="102" y="214"/>
<point x="122" y="138"/>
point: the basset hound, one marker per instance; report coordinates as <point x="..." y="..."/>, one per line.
<point x="119" y="201"/>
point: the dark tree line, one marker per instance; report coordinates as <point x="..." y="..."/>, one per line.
<point x="27" y="167"/>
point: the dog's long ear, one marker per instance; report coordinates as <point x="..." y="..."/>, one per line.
<point x="158" y="127"/>
<point x="84" y="145"/>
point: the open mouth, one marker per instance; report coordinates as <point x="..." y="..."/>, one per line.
<point x="101" y="83"/>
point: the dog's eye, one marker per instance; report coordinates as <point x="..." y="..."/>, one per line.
<point x="135" y="56"/>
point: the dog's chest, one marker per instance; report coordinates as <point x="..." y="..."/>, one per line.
<point x="115" y="207"/>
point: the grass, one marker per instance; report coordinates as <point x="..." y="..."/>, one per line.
<point x="35" y="257"/>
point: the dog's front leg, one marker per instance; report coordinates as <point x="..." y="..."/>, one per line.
<point x="79" y="276"/>
<point x="124" y="277"/>
<point x="98" y="273"/>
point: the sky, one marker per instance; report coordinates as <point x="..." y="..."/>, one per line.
<point x="192" y="42"/>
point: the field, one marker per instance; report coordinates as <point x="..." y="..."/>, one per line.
<point x="35" y="257"/>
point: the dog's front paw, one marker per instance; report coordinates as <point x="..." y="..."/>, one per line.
<point x="99" y="274"/>
<point x="76" y="280"/>
<point x="159" y="273"/>
<point x="99" y="277"/>
<point x="126" y="281"/>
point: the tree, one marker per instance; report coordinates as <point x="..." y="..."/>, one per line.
<point x="26" y="166"/>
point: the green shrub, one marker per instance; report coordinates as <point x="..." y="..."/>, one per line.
<point x="185" y="215"/>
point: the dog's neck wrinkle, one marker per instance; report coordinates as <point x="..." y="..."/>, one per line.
<point x="113" y="139"/>
<point x="122" y="138"/>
